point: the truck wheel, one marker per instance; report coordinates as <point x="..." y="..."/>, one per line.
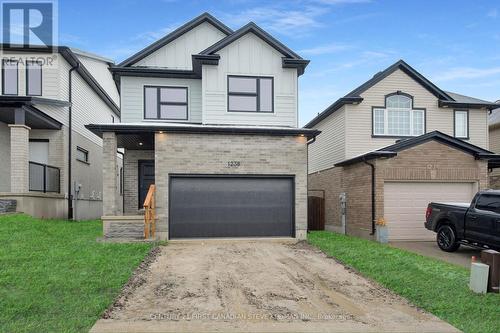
<point x="446" y="239"/>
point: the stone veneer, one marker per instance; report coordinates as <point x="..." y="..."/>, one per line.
<point x="430" y="161"/>
<point x="19" y="158"/>
<point x="210" y="154"/>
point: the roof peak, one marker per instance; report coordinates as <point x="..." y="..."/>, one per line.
<point x="193" y="23"/>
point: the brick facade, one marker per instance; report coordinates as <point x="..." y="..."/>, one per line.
<point x="19" y="158"/>
<point x="109" y="171"/>
<point x="430" y="161"/>
<point x="209" y="154"/>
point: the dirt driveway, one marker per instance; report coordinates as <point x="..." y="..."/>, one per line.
<point x="258" y="286"/>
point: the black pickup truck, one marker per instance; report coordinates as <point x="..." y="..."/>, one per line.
<point x="476" y="224"/>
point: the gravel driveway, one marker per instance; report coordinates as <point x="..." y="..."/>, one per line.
<point x="257" y="286"/>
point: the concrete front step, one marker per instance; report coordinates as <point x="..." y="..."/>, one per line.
<point x="123" y="228"/>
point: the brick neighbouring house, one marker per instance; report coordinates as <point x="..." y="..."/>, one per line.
<point x="440" y="153"/>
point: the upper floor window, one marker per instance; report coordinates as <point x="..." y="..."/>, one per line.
<point x="461" y="125"/>
<point x="33" y="78"/>
<point x="398" y="118"/>
<point x="250" y="94"/>
<point x="166" y="103"/>
<point x="9" y="77"/>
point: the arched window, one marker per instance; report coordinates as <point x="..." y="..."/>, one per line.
<point x="398" y="118"/>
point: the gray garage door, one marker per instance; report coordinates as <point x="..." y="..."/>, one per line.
<point x="225" y="206"/>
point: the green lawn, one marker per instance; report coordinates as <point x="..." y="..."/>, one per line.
<point x="55" y="277"/>
<point x="433" y="285"/>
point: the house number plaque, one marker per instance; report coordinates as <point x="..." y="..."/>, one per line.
<point x="233" y="164"/>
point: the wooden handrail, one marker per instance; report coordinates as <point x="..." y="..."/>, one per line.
<point x="149" y="213"/>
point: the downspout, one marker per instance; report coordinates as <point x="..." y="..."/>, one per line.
<point x="70" y="149"/>
<point x="373" y="195"/>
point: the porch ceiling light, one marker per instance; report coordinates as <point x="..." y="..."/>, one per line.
<point x="140" y="143"/>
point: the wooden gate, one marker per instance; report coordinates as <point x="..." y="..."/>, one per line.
<point x="316" y="213"/>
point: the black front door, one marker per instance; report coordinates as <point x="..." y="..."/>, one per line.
<point x="146" y="178"/>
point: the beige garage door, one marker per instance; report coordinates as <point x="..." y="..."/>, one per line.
<point x="405" y="205"/>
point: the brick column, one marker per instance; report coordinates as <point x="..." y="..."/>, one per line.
<point x="19" y="158"/>
<point x="109" y="169"/>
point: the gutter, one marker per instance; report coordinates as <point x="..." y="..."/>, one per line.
<point x="70" y="144"/>
<point x="373" y="195"/>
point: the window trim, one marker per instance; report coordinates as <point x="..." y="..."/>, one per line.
<point x="455" y="124"/>
<point x="159" y="103"/>
<point x="86" y="152"/>
<point x="413" y="108"/>
<point x="3" y="76"/>
<point x="256" y="94"/>
<point x="27" y="78"/>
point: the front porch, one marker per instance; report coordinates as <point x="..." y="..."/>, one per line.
<point x="32" y="158"/>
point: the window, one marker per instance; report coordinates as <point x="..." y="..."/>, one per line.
<point x="250" y="94"/>
<point x="489" y="203"/>
<point x="398" y="118"/>
<point x="9" y="77"/>
<point x="33" y="78"/>
<point x="82" y="155"/>
<point x="461" y="124"/>
<point x="167" y="103"/>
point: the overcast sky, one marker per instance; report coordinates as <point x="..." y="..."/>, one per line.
<point x="454" y="43"/>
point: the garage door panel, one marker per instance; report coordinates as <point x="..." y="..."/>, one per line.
<point x="405" y="204"/>
<point x="230" y="207"/>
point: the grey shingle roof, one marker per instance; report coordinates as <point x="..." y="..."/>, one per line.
<point x="466" y="99"/>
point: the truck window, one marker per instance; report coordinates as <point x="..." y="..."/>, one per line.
<point x="489" y="203"/>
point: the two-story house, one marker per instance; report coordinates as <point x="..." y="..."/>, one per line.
<point x="494" y="138"/>
<point x="51" y="164"/>
<point x="393" y="145"/>
<point x="209" y="116"/>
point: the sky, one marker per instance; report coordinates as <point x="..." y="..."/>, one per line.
<point x="454" y="43"/>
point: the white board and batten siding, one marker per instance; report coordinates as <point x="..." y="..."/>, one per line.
<point x="329" y="147"/>
<point x="177" y="54"/>
<point x="359" y="117"/>
<point x="132" y="95"/>
<point x="249" y="55"/>
<point x="405" y="204"/>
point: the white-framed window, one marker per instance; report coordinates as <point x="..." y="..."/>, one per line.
<point x="398" y="118"/>
<point x="166" y="103"/>
<point x="250" y="94"/>
<point x="33" y="78"/>
<point x="461" y="126"/>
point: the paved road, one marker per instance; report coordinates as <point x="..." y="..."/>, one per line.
<point x="259" y="286"/>
<point x="461" y="257"/>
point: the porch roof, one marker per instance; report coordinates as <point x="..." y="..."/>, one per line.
<point x="143" y="128"/>
<point x="27" y="114"/>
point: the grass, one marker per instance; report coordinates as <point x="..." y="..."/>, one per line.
<point x="433" y="285"/>
<point x="55" y="277"/>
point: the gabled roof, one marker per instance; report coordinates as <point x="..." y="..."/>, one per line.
<point x="392" y="150"/>
<point x="290" y="59"/>
<point x="205" y="17"/>
<point x="445" y="99"/>
<point x="254" y="28"/>
<point x="74" y="61"/>
<point x="494" y="119"/>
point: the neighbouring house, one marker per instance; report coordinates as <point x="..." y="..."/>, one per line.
<point x="51" y="163"/>
<point x="494" y="131"/>
<point x="209" y="115"/>
<point x="392" y="145"/>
